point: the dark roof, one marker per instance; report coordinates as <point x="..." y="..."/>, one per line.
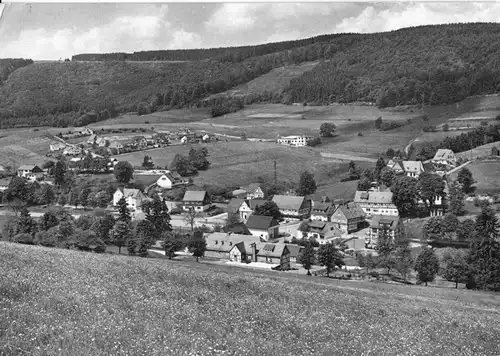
<point x="294" y="249"/>
<point x="288" y="202"/>
<point x="238" y="228"/>
<point x="146" y="179"/>
<point x="380" y="220"/>
<point x="351" y="210"/>
<point x="271" y="250"/>
<point x="254" y="203"/>
<point x="252" y="187"/>
<point x="260" y="222"/>
<point x="234" y="205"/>
<point x="320" y="208"/>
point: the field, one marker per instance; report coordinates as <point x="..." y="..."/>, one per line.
<point x="479" y="152"/>
<point x="486" y="174"/>
<point x="71" y="303"/>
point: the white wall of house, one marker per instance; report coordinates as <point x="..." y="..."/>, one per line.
<point x="319" y="217"/>
<point x="164" y="182"/>
<point x="260" y="233"/>
<point x="235" y="255"/>
<point x="197" y="208"/>
<point x="116" y="197"/>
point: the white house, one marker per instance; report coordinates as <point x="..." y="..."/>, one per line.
<point x="295" y="141"/>
<point x="376" y="203"/>
<point x="445" y="156"/>
<point x="294" y="207"/>
<point x="255" y="191"/>
<point x="195" y="199"/>
<point x="413" y="168"/>
<point x="28" y="169"/>
<point x="57" y="146"/>
<point x="83" y="131"/>
<point x="133" y="197"/>
<point x="265" y="227"/>
<point x="72" y="151"/>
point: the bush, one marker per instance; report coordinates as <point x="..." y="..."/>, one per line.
<point x="360" y="134"/>
<point x="390" y="125"/>
<point x="374" y="274"/>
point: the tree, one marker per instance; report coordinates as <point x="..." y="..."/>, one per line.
<point x="307" y="184"/>
<point x="386" y="248"/>
<point x="171" y="244"/>
<point x="484" y="262"/>
<point x="429" y="187"/>
<point x="465" y="178"/>
<point x="182" y="165"/>
<point x="84" y="222"/>
<point x="27" y="224"/>
<point x="456" y="199"/>
<point x="83" y="196"/>
<point x="17" y="192"/>
<point x="197" y="247"/>
<point x="146" y="234"/>
<point x="102" y="226"/>
<point x="378" y="122"/>
<point x="433" y="228"/>
<point x="46" y="195"/>
<point x="378" y="167"/>
<point x="330" y="257"/>
<point x="48" y="220"/>
<point x="404" y="191"/>
<point x="466" y="230"/>
<point x="198" y="159"/>
<point x="123" y="171"/>
<point x="123" y="210"/>
<point x="60" y="173"/>
<point x="487" y="225"/>
<point x="327" y="129"/>
<point x="456" y="267"/>
<point x="387" y="176"/>
<point x="190" y="218"/>
<point x="364" y="184"/>
<point x="390" y="153"/>
<point x="131" y="244"/>
<point x="157" y="213"/>
<point x="148" y="162"/>
<point x="446" y="127"/>
<point x="269" y="208"/>
<point x="101" y="199"/>
<point x="450" y="223"/>
<point x="307" y="257"/>
<point x="426" y="265"/>
<point x="403" y="258"/>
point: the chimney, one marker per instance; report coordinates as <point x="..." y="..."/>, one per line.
<point x="254" y="252"/>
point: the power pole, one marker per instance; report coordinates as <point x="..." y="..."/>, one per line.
<point x="275" y="177"/>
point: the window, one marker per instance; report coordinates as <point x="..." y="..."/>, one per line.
<point x="216" y="242"/>
<point x="222" y="243"/>
<point x="230" y="243"/>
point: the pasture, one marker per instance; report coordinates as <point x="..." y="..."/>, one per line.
<point x="486" y="174"/>
<point x="61" y="302"/>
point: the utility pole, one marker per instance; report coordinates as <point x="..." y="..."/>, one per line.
<point x="275" y="177"/>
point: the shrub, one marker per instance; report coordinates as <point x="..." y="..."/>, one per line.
<point x="360" y="134"/>
<point x="389" y="125"/>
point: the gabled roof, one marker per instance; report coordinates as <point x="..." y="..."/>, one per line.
<point x="147" y="179"/>
<point x="442" y="154"/>
<point x="351" y="210"/>
<point x="254" y="203"/>
<point x="379" y="221"/>
<point x="259" y="222"/>
<point x="223" y="242"/>
<point x="373" y="197"/>
<point x="271" y="250"/>
<point x="294" y="250"/>
<point x="194" y="195"/>
<point x="413" y="166"/>
<point x="28" y="167"/>
<point x="325" y="228"/>
<point x="234" y="205"/>
<point x="323" y="209"/>
<point x="288" y="202"/>
<point x="252" y="187"/>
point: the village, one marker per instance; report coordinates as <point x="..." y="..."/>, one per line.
<point x="243" y="228"/>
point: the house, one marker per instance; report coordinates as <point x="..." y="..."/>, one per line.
<point x="278" y="254"/>
<point x="376" y="203"/>
<point x="293" y="207"/>
<point x="395" y="165"/>
<point x="348" y="217"/>
<point x="117" y="145"/>
<point x="240" y="193"/>
<point x="83" y="131"/>
<point x="35" y="176"/>
<point x="295" y="251"/>
<point x="440" y="203"/>
<point x="219" y="244"/>
<point x="190" y="138"/>
<point x="380" y="223"/>
<point x="161" y="138"/>
<point x="72" y="151"/>
<point x="29" y="169"/>
<point x="413" y="168"/>
<point x="248" y="207"/>
<point x="91" y="140"/>
<point x="295" y="141"/>
<point x="198" y="200"/>
<point x="233" y="208"/>
<point x="209" y="137"/>
<point x="164" y="181"/>
<point x="445" y="156"/>
<point x="133" y="197"/>
<point x="57" y="146"/>
<point x="48" y="180"/>
<point x="140" y="142"/>
<point x="255" y="191"/>
<point x="322" y="210"/>
<point x="4" y="184"/>
<point x="265" y="227"/>
<point x="322" y="231"/>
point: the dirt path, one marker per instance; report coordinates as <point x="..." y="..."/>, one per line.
<point x="457" y="168"/>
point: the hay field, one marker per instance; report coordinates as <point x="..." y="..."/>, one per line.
<point x="486" y="174"/>
<point x="61" y="302"/>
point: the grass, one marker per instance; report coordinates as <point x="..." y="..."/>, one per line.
<point x="59" y="302"/>
<point x="479" y="152"/>
<point x="486" y="174"/>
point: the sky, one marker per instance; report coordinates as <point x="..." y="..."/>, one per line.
<point x="53" y="30"/>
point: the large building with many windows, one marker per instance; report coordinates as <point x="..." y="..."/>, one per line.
<point x="295" y="141"/>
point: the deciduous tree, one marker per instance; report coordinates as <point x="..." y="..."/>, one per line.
<point x="307" y="257"/>
<point x="426" y="265"/>
<point x="197" y="247"/>
<point x="456" y="199"/>
<point x="329" y="257"/>
<point x="404" y="190"/>
<point x="123" y="171"/>
<point x="465" y="178"/>
<point x="269" y="208"/>
<point x="307" y="184"/>
<point x="327" y="129"/>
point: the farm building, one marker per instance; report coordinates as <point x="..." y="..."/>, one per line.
<point x="265" y="227"/>
<point x="220" y="243"/>
<point x="29" y="170"/>
<point x="295" y="141"/>
<point x="57" y="146"/>
<point x="198" y="200"/>
<point x="133" y="197"/>
<point x="322" y="210"/>
<point x="255" y="191"/>
<point x="72" y="151"/>
<point x="322" y="231"/>
<point x="348" y="216"/>
<point x="445" y="156"/>
<point x="379" y="223"/>
<point x="413" y="168"/>
<point x="293" y="207"/>
<point x="376" y="203"/>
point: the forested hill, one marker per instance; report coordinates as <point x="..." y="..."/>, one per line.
<point x="9" y="65"/>
<point x="428" y="64"/>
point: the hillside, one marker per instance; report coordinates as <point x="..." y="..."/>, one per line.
<point x="427" y="65"/>
<point x="73" y="303"/>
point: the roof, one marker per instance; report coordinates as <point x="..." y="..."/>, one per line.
<point x="260" y="222"/>
<point x="442" y="153"/>
<point x="373" y="197"/>
<point x="147" y="179"/>
<point x="224" y="242"/>
<point x="325" y="228"/>
<point x="27" y="167"/>
<point x="194" y="195"/>
<point x="129" y="192"/>
<point x="239" y="191"/>
<point x="294" y="250"/>
<point x="351" y="210"/>
<point x="270" y="250"/>
<point x="379" y="220"/>
<point x="252" y="187"/>
<point x="320" y="208"/>
<point x="288" y="202"/>
<point x="254" y="203"/>
<point x="234" y="205"/>
<point x="413" y="166"/>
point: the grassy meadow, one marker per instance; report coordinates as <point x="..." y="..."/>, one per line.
<point x="486" y="174"/>
<point x="61" y="302"/>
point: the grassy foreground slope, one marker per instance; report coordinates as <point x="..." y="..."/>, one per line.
<point x="70" y="303"/>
